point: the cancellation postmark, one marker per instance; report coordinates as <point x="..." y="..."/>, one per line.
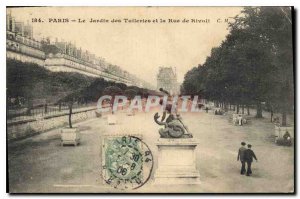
<point x="127" y="162"/>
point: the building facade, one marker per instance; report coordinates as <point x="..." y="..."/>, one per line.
<point x="20" y="44"/>
<point x="167" y="79"/>
<point x="61" y="56"/>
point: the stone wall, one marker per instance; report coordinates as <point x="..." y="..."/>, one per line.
<point x="23" y="129"/>
<point x="24" y="58"/>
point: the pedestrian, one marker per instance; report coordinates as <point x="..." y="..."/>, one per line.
<point x="241" y="157"/>
<point x="206" y="109"/>
<point x="240" y="120"/>
<point x="287" y="139"/>
<point x="249" y="155"/>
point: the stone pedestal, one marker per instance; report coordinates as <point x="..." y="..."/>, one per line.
<point x="176" y="161"/>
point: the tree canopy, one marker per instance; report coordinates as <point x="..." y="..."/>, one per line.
<point x="254" y="64"/>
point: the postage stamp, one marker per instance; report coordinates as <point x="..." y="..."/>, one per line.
<point x="127" y="162"/>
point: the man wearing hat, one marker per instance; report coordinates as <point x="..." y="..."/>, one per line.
<point x="241" y="157"/>
<point x="249" y="155"/>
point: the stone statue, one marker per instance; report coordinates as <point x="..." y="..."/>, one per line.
<point x="173" y="126"/>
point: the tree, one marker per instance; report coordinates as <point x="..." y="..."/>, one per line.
<point x="253" y="65"/>
<point x="273" y="26"/>
<point x="112" y="91"/>
<point x="130" y="93"/>
<point x="122" y="86"/>
<point x="70" y="99"/>
<point x="193" y="81"/>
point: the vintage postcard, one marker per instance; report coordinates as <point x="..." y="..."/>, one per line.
<point x="150" y="99"/>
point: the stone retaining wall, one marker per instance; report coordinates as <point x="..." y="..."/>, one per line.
<point x="19" y="130"/>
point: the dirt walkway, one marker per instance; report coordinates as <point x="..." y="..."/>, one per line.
<point x="40" y="164"/>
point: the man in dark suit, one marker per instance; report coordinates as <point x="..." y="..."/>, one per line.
<point x="241" y="157"/>
<point x="249" y="155"/>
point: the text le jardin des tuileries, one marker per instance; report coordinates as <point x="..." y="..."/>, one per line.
<point x="130" y="21"/>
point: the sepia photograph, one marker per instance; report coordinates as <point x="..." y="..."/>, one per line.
<point x="150" y="99"/>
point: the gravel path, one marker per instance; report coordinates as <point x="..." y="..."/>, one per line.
<point x="40" y="164"/>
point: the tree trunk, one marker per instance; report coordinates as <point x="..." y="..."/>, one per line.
<point x="243" y="109"/>
<point x="70" y="115"/>
<point x="272" y="115"/>
<point x="226" y="107"/>
<point x="237" y="109"/>
<point x="112" y="104"/>
<point x="233" y="107"/>
<point x="29" y="107"/>
<point x="59" y="107"/>
<point x="284" y="119"/>
<point x="230" y="107"/>
<point x="248" y="110"/>
<point x="258" y="110"/>
<point x="46" y="108"/>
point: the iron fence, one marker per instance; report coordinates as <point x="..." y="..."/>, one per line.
<point x="24" y="113"/>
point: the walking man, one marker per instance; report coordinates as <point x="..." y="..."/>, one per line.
<point x="206" y="109"/>
<point x="240" y="119"/>
<point x="249" y="155"/>
<point x="241" y="157"/>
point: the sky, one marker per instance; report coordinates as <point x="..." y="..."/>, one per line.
<point x="139" y="48"/>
